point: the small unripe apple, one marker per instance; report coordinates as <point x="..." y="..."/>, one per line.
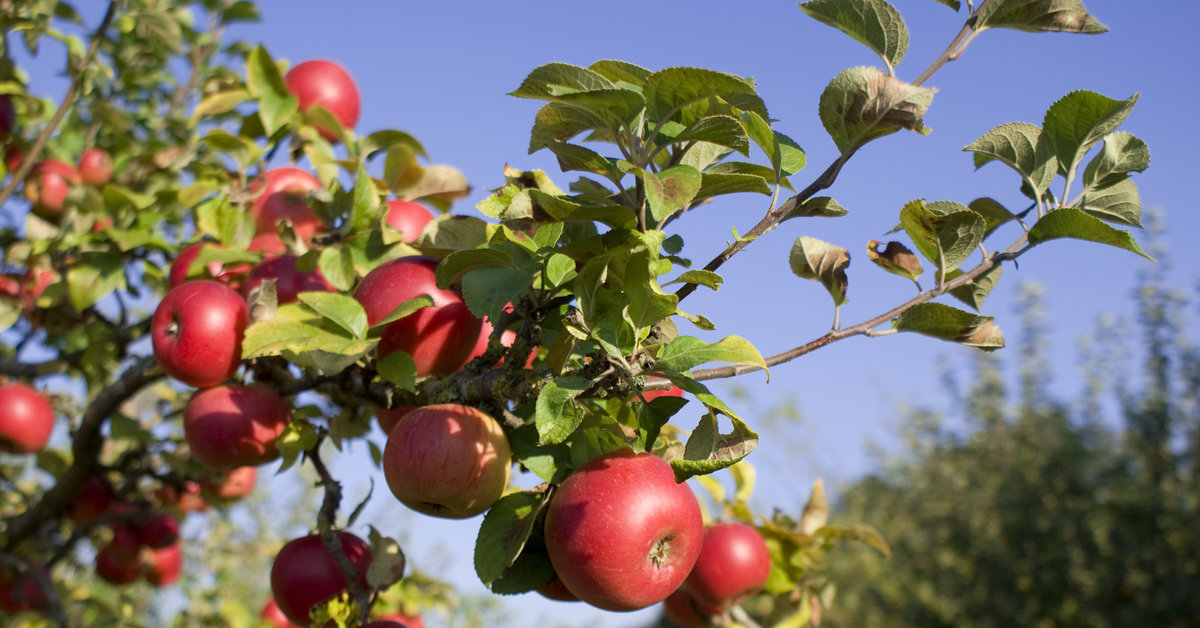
<point x="47" y="186"/>
<point x="408" y="217"/>
<point x="734" y="564"/>
<point x="447" y="460"/>
<point x="95" y="167"/>
<point x="621" y="533"/>
<point x="197" y="332"/>
<point x="26" y="419"/>
<point x="329" y="85"/>
<point x="305" y="574"/>
<point x="234" y="426"/>
<point x="283" y="196"/>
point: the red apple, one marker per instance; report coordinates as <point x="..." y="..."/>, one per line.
<point x="685" y="612"/>
<point x="621" y="533"/>
<point x="734" y="564"/>
<point x="408" y="217"/>
<point x="164" y="565"/>
<point x="197" y="332"/>
<point x="398" y="618"/>
<point x="388" y="417"/>
<point x="234" y="426"/>
<point x="94" y="500"/>
<point x="159" y="530"/>
<point x="47" y="186"/>
<point x="118" y="562"/>
<point x="183" y="263"/>
<point x="190" y="499"/>
<point x="282" y="196"/>
<point x="275" y="617"/>
<point x="14" y="154"/>
<point x="447" y="460"/>
<point x="21" y="591"/>
<point x="305" y="574"/>
<point x="289" y="281"/>
<point x="95" y="167"/>
<point x="673" y="391"/>
<point x="329" y="85"/>
<point x="8" y="117"/>
<point x="26" y="419"/>
<point x="557" y="591"/>
<point x="233" y="485"/>
<point x="439" y="338"/>
<point x="10" y="286"/>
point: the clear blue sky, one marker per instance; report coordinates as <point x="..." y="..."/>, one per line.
<point x="440" y="70"/>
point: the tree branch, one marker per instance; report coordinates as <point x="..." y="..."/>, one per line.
<point x="326" y="523"/>
<point x="67" y="103"/>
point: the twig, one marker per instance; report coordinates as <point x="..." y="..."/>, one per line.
<point x="326" y="519"/>
<point x="67" y="103"/>
<point x="955" y="49"/>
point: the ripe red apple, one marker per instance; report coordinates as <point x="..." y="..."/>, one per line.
<point x="289" y="281"/>
<point x="10" y="286"/>
<point x="398" y="618"/>
<point x="621" y="533"/>
<point x="234" y="426"/>
<point x="8" y="117"/>
<point x="673" y="391"/>
<point x="282" y="196"/>
<point x="734" y="564"/>
<point x="95" y="167"/>
<point x="94" y="500"/>
<point x="14" y="154"/>
<point x="329" y="85"/>
<point x="557" y="591"/>
<point x="447" y="460"/>
<point x="685" y="612"/>
<point x="47" y="186"/>
<point x="26" y="419"/>
<point x="118" y="562"/>
<point x="275" y="617"/>
<point x="232" y="485"/>
<point x="408" y="217"/>
<point x="164" y="565"/>
<point x="20" y="591"/>
<point x="159" y="530"/>
<point x="388" y="417"/>
<point x="197" y="332"/>
<point x="305" y="574"/>
<point x="190" y="499"/>
<point x="183" y="263"/>
<point x="439" y="338"/>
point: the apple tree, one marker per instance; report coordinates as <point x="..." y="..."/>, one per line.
<point x="209" y="269"/>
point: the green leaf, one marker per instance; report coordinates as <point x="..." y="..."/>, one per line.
<point x="265" y="83"/>
<point x="93" y="277"/>
<point x="1022" y="147"/>
<point x="1069" y="222"/>
<point x="386" y="139"/>
<point x="705" y="278"/>
<point x="1118" y="202"/>
<point x="715" y="184"/>
<point x="10" y="313"/>
<point x="451" y="232"/>
<point x="366" y="205"/>
<point x="556" y="122"/>
<point x="820" y="206"/>
<point x="994" y="214"/>
<point x="621" y="72"/>
<point x="896" y="259"/>
<point x="813" y="259"/>
<point x="402" y="310"/>
<point x="722" y="130"/>
<point x="556" y="414"/>
<point x="863" y="103"/>
<point x="1038" y="16"/>
<point x="647" y="302"/>
<point x="859" y="533"/>
<point x="707" y="450"/>
<point x="340" y="309"/>
<point x="1122" y="153"/>
<point x="1078" y="121"/>
<point x="299" y="436"/>
<point x="506" y="528"/>
<point x="218" y="103"/>
<point x="873" y="23"/>
<point x="559" y="269"/>
<point x="687" y="352"/>
<point x="555" y="79"/>
<point x="398" y="369"/>
<point x="953" y="4"/>
<point x="944" y="232"/>
<point x="488" y="290"/>
<point x="563" y="208"/>
<point x="977" y="290"/>
<point x="670" y="190"/>
<point x="242" y="149"/>
<point x="273" y="336"/>
<point x="452" y="269"/>
<point x="576" y="157"/>
<point x="947" y="323"/>
<point x="337" y="266"/>
<point x="686" y="95"/>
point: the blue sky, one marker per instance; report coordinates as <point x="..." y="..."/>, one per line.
<point x="440" y="70"/>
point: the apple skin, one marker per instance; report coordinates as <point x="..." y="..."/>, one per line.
<point x="26" y="419"/>
<point x="233" y="485"/>
<point x="447" y="460"/>
<point x="683" y="611"/>
<point x="20" y="591"/>
<point x="329" y="85"/>
<point x="305" y="574"/>
<point x="734" y="564"/>
<point x="408" y="217"/>
<point x="439" y="338"/>
<point x="389" y="417"/>
<point x="118" y="561"/>
<point x="282" y="196"/>
<point x="164" y="565"/>
<point x="557" y="591"/>
<point x="289" y="281"/>
<point x="673" y="391"/>
<point x="275" y="617"/>
<point x="94" y="500"/>
<point x="398" y="618"/>
<point x="621" y="533"/>
<point x="95" y="167"/>
<point x="159" y="530"/>
<point x="234" y="426"/>
<point x="190" y="500"/>
<point x="47" y="186"/>
<point x="197" y="332"/>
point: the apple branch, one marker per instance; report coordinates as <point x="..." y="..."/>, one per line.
<point x="864" y="328"/>
<point x="65" y="106"/>
<point x="86" y="443"/>
<point x="326" y="520"/>
<point x="827" y="178"/>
